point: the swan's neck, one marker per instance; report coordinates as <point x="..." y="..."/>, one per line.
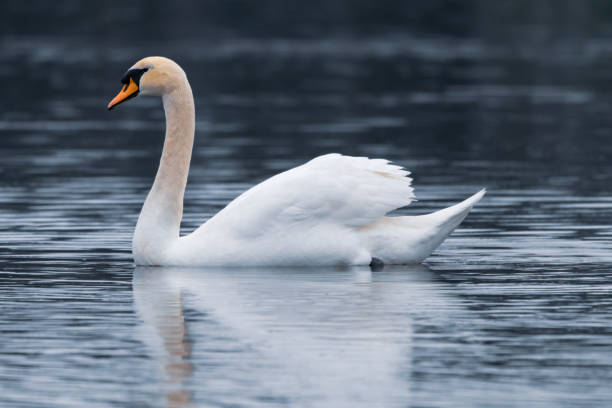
<point x="160" y="218"/>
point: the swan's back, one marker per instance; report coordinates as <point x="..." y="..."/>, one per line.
<point x="341" y="190"/>
<point x="327" y="211"/>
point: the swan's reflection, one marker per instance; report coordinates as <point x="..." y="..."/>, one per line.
<point x="297" y="337"/>
<point x="159" y="305"/>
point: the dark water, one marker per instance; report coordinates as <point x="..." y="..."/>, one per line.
<point x="515" y="309"/>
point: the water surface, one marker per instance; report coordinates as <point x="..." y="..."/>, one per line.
<point x="513" y="309"/>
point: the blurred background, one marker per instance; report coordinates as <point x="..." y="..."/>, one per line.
<point x="523" y="84"/>
<point x="514" y="308"/>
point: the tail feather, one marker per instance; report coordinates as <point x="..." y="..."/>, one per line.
<point x="411" y="239"/>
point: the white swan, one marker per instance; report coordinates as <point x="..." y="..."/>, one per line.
<point x="329" y="211"/>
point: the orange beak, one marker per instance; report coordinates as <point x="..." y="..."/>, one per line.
<point x="129" y="91"/>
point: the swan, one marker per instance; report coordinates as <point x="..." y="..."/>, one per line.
<point x="331" y="210"/>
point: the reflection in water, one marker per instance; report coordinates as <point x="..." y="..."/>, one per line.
<point x="158" y="303"/>
<point x="517" y="311"/>
<point x="315" y="337"/>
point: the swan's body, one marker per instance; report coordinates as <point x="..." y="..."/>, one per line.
<point x="328" y="211"/>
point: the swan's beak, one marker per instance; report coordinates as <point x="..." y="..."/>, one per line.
<point x="129" y="91"/>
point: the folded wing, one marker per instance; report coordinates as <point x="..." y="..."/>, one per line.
<point x="341" y="190"/>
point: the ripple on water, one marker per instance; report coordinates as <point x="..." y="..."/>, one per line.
<point x="514" y="309"/>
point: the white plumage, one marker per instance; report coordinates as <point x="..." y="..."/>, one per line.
<point x="343" y="190"/>
<point x="329" y="211"/>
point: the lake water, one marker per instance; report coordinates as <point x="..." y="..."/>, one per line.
<point x="514" y="309"/>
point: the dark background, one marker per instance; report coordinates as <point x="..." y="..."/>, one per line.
<point x="521" y="81"/>
<point x="159" y="20"/>
<point x="513" y="309"/>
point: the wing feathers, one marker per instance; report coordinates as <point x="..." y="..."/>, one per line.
<point x="358" y="190"/>
<point x="328" y="190"/>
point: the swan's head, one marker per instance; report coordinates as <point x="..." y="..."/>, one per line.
<point x="149" y="76"/>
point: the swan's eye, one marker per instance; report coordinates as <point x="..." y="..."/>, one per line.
<point x="135" y="74"/>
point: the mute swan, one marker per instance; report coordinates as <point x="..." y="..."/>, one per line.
<point x="329" y="211"/>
